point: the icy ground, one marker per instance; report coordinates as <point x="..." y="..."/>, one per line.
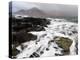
<point x="42" y="48"/>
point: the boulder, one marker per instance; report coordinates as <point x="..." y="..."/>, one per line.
<point x="64" y="43"/>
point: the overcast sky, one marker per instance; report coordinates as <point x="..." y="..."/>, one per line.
<point x="48" y="8"/>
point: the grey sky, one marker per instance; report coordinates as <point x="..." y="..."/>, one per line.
<point x="48" y="8"/>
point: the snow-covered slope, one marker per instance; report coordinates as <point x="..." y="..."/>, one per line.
<point x="46" y="45"/>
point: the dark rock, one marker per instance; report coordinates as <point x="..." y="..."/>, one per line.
<point x="15" y="52"/>
<point x="74" y="32"/>
<point x="51" y="41"/>
<point x="47" y="49"/>
<point x="70" y="34"/>
<point x="76" y="47"/>
<point x="31" y="56"/>
<point x="36" y="24"/>
<point x="65" y="52"/>
<point x="56" y="54"/>
<point x="35" y="54"/>
<point x="55" y="47"/>
<point x="21" y="37"/>
<point x="41" y="52"/>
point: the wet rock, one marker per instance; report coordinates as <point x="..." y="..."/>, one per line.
<point x="55" y="47"/>
<point x="31" y="56"/>
<point x="69" y="34"/>
<point x="33" y="24"/>
<point x="21" y="37"/>
<point x="50" y="41"/>
<point x="47" y="49"/>
<point x="14" y="52"/>
<point x="56" y="54"/>
<point x="64" y="43"/>
<point x="38" y="28"/>
<point x="76" y="47"/>
<point x="41" y="52"/>
<point x="74" y="32"/>
<point x="65" y="52"/>
<point x="35" y="54"/>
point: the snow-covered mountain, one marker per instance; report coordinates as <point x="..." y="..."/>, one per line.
<point x="59" y="38"/>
